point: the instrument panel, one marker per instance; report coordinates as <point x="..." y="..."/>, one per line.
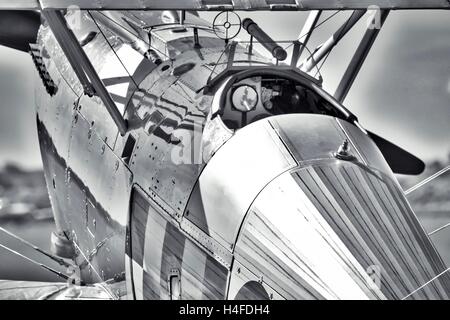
<point x="256" y="98"/>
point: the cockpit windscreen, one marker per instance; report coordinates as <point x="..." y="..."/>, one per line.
<point x="256" y="98"/>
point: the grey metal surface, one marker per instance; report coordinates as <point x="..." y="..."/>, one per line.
<point x="58" y="24"/>
<point x="232" y="179"/>
<point x="160" y="249"/>
<point x="335" y="230"/>
<point x="225" y="4"/>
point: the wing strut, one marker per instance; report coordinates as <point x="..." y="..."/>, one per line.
<point x="359" y="57"/>
<point x="326" y="47"/>
<point x="83" y="66"/>
<point x="308" y="27"/>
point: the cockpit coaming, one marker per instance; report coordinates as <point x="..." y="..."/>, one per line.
<point x="259" y="97"/>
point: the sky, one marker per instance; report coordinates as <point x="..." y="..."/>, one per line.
<point x="402" y="92"/>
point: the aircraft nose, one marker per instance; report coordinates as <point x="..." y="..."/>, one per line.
<point x="338" y="230"/>
<point x="308" y="203"/>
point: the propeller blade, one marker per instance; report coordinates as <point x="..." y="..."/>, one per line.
<point x="400" y="161"/>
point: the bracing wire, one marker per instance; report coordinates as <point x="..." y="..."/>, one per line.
<point x="427" y="283"/>
<point x="113" y="50"/>
<point x="319" y="69"/>
<point x="439" y="229"/>
<point x="328" y="55"/>
<point x="412" y="189"/>
<point x="28" y="244"/>
<point x="130" y="32"/>
<point x="315" y="28"/>
<point x="107" y="290"/>
<point x="427" y="180"/>
<point x="59" y="274"/>
<point x="423" y="183"/>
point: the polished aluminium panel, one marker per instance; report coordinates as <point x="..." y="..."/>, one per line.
<point x="316" y="233"/>
<point x="246" y="285"/>
<point x="367" y="149"/>
<point x="232" y="179"/>
<point x="97" y="202"/>
<point x="311" y="137"/>
<point x="168" y="118"/>
<point x="90" y="184"/>
<point x="334" y="229"/>
<point x="288" y="245"/>
<point x="160" y="252"/>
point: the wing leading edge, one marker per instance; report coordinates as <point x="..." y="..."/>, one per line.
<point x="204" y="5"/>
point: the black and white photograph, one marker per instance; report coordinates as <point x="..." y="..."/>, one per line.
<point x="240" y="150"/>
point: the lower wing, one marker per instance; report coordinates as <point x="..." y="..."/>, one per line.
<point x="26" y="290"/>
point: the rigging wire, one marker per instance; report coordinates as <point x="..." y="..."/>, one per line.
<point x="319" y="69"/>
<point x="414" y="188"/>
<point x="427" y="180"/>
<point x="427" y="283"/>
<point x="439" y="229"/>
<point x="326" y="57"/>
<point x="56" y="259"/>
<point x="59" y="274"/>
<point x="113" y="50"/>
<point x="130" y="32"/>
<point x="32" y="246"/>
<point x="107" y="290"/>
<point x="316" y="27"/>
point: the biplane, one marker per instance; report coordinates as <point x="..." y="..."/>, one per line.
<point x="183" y="162"/>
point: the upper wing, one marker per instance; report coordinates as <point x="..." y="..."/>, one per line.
<point x="223" y="4"/>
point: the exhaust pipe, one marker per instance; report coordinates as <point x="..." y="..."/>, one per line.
<point x="19" y="28"/>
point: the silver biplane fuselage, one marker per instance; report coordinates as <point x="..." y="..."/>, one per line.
<point x="234" y="180"/>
